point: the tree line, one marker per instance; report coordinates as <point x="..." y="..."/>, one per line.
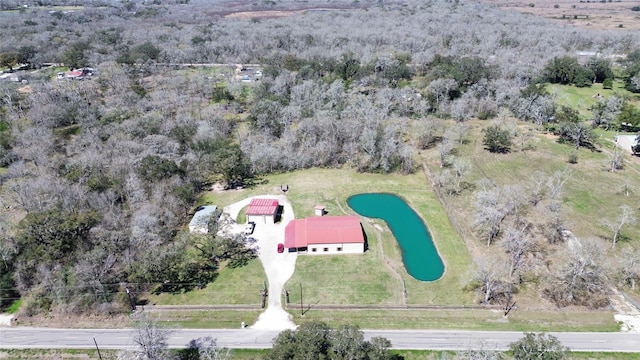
<point x="317" y="340"/>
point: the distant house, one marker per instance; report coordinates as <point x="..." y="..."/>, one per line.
<point x="13" y="76"/>
<point x="325" y="235"/>
<point x="262" y="210"/>
<point x="78" y="74"/>
<point x="200" y="222"/>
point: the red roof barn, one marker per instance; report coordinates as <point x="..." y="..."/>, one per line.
<point x="325" y="235"/>
<point x="262" y="210"/>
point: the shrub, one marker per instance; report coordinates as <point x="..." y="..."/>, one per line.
<point x="497" y="139"/>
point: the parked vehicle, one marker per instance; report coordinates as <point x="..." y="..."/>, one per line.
<point x="250" y="227"/>
<point x="280" y="247"/>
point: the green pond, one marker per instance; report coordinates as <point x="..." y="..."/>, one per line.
<point x="419" y="254"/>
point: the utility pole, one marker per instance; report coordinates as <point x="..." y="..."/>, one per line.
<point x="301" y="306"/>
<point x="404" y="291"/>
<point x="97" y="348"/>
<point x="133" y="307"/>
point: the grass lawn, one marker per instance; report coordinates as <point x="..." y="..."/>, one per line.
<point x="232" y="286"/>
<point x="59" y="354"/>
<point x="203" y="319"/>
<point x="582" y="99"/>
<point x="464" y="319"/>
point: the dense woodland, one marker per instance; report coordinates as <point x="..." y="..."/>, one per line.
<point x="99" y="176"/>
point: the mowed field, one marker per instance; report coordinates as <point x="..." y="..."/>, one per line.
<point x="592" y="14"/>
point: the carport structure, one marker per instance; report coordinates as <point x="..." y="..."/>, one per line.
<point x="262" y="210"/>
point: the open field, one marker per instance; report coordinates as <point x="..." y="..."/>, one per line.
<point x="587" y="203"/>
<point x="582" y="99"/>
<point x="597" y="15"/>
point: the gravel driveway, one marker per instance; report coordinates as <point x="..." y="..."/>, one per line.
<point x="278" y="267"/>
<point x="626" y="141"/>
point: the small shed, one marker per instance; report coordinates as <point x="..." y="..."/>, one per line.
<point x="200" y="221"/>
<point x="319" y="210"/>
<point x="263" y="210"/>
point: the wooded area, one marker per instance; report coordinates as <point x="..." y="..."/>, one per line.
<point x="99" y="176"/>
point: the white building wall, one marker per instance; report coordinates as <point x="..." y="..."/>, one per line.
<point x="261" y="219"/>
<point x="353" y="248"/>
<point x="334" y="249"/>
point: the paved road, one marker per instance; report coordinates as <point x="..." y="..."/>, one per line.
<point x="24" y="338"/>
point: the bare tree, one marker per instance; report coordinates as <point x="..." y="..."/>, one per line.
<point x="151" y="339"/>
<point x="479" y="352"/>
<point x="536" y="188"/>
<point x="578" y="133"/>
<point x="493" y="205"/>
<point x="445" y="149"/>
<point x="604" y="112"/>
<point x="626" y="189"/>
<point x="627" y="266"/>
<point x="490" y="280"/>
<point x="440" y="89"/>
<point x="427" y="132"/>
<point x="635" y="80"/>
<point x="461" y="109"/>
<point x="525" y="136"/>
<point x="208" y="349"/>
<point x="517" y="243"/>
<point x="627" y="217"/>
<point x="461" y="168"/>
<point x="555" y="229"/>
<point x="580" y="280"/>
<point x="460" y="130"/>
<point x="556" y="182"/>
<point x="616" y="161"/>
<point x="444" y="180"/>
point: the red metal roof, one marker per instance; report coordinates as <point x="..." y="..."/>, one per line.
<point x="262" y="206"/>
<point x="74" y="73"/>
<point x="295" y="234"/>
<point x="323" y="230"/>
